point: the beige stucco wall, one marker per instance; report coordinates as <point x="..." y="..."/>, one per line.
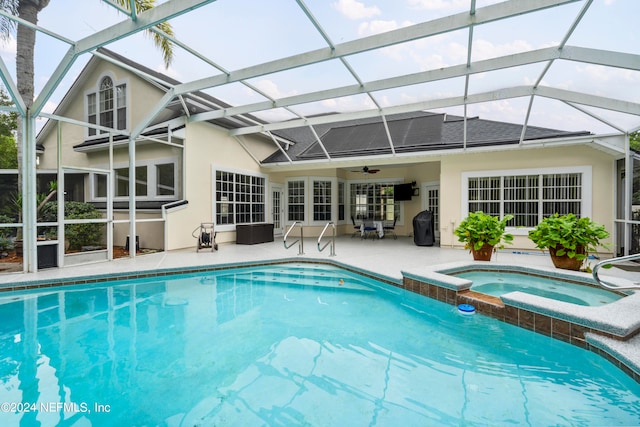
<point x="206" y="147"/>
<point x="602" y="209"/>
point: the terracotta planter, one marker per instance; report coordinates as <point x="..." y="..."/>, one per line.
<point x="483" y="254"/>
<point x="564" y="261"/>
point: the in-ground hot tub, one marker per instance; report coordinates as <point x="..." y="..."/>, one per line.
<point x="498" y="283"/>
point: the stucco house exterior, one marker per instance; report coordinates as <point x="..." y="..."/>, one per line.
<point x="188" y="172"/>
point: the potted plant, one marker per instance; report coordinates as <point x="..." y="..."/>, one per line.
<point x="569" y="239"/>
<point x="482" y="234"/>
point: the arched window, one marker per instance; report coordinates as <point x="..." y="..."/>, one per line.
<point x="107" y="106"/>
<point x="106" y="102"/>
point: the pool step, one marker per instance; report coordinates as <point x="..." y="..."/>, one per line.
<point x="476" y="298"/>
<point x="293" y="277"/>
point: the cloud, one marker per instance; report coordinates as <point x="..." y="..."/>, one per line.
<point x="483" y="49"/>
<point x="439" y="4"/>
<point x="49" y="107"/>
<point x="379" y="26"/>
<point x="271" y="88"/>
<point x="9" y="46"/>
<point x="348" y="103"/>
<point x="608" y="74"/>
<point x="171" y="72"/>
<point x="353" y="9"/>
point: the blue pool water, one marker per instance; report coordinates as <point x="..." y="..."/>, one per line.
<point x="498" y="283"/>
<point x="292" y="345"/>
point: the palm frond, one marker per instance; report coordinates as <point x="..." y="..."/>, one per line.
<point x="165" y="45"/>
<point x="8" y="26"/>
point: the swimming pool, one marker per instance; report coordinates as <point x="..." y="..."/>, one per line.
<point x="498" y="283"/>
<point x="290" y="345"/>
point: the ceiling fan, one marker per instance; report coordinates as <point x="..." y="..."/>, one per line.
<point x="365" y="170"/>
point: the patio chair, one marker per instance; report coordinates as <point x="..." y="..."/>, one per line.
<point x="369" y="230"/>
<point x="356" y="227"/>
<point x="363" y="229"/>
<point x="390" y="228"/>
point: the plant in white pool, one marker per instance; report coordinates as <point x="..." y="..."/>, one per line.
<point x="569" y="239"/>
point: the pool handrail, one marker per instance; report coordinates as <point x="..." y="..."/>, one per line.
<point x="332" y="241"/>
<point x="602" y="283"/>
<point x="301" y="239"/>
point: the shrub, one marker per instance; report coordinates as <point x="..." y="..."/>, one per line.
<point x="5" y="244"/>
<point x="78" y="235"/>
<point x="480" y="228"/>
<point x="570" y="235"/>
<point x="6" y="232"/>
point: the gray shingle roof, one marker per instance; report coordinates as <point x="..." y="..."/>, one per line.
<point x="410" y="133"/>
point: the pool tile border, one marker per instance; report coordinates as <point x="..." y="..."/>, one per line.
<point x="605" y="337"/>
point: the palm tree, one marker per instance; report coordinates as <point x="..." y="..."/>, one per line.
<point x="26" y="39"/>
<point x="25" y="43"/>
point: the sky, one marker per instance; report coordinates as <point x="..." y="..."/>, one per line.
<point x="239" y="33"/>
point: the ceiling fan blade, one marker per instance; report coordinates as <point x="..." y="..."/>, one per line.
<point x="365" y="170"/>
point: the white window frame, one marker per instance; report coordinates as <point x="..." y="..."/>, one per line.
<point x="309" y="182"/>
<point x="217" y="168"/>
<point x="587" y="186"/>
<point x="151" y="180"/>
<point x="332" y="196"/>
<point x="307" y="216"/>
<point x="96" y="91"/>
<point x="345" y="202"/>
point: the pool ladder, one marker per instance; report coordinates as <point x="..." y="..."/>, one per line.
<point x="332" y="241"/>
<point x="602" y="283"/>
<point x="300" y="241"/>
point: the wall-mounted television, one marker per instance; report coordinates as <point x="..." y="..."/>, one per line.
<point x="402" y="192"/>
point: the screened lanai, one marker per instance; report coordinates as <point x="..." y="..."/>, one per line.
<point x="264" y="69"/>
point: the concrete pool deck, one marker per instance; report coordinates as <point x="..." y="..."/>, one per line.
<point x="388" y="259"/>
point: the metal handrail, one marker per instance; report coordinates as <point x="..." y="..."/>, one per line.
<point x="301" y="239"/>
<point x="332" y="241"/>
<point x="635" y="286"/>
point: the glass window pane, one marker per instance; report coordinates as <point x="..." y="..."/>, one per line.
<point x="122" y="182"/>
<point x="100" y="185"/>
<point x="295" y="194"/>
<point x="165" y="179"/>
<point x="528" y="198"/>
<point x="106" y="102"/>
<point x="141" y="181"/>
<point x="322" y="201"/>
<point x="239" y="198"/>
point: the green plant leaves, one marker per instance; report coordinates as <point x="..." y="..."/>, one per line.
<point x="479" y="228"/>
<point x="567" y="233"/>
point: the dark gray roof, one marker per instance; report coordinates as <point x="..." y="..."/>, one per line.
<point x="410" y="133"/>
